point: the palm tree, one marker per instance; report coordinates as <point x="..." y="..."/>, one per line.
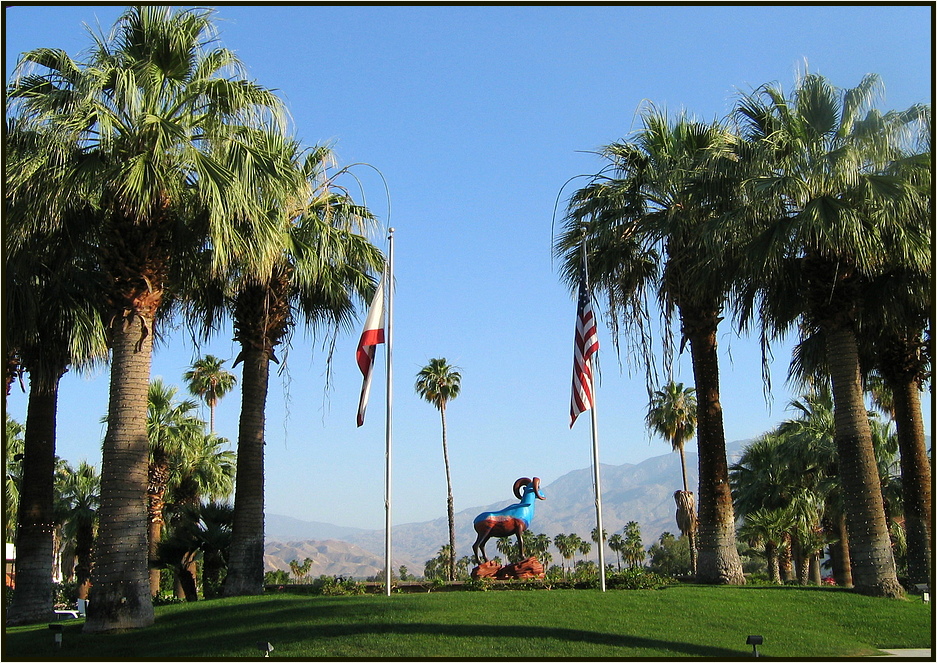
<point x="900" y="339"/>
<point x="617" y="543"/>
<point x="314" y="269"/>
<point x="157" y="118"/>
<point x="830" y="217"/>
<point x="438" y="383"/>
<point x="672" y="415"/>
<point x="54" y="324"/>
<point x="210" y="382"/>
<point x="171" y="427"/>
<point x="201" y="469"/>
<point x="567" y="547"/>
<point x="13" y="478"/>
<point x="650" y="228"/>
<point x="767" y="528"/>
<point x="79" y="491"/>
<point x="200" y="530"/>
<point x="633" y="546"/>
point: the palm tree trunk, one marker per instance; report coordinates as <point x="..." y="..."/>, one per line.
<point x="691" y="535"/>
<point x="686" y="487"/>
<point x="815" y="576"/>
<point x="246" y="561"/>
<point x="121" y="588"/>
<point x="915" y="480"/>
<point x="718" y="560"/>
<point x="32" y="600"/>
<point x="84" y="544"/>
<point x="784" y="560"/>
<point x="873" y="566"/>
<point x="158" y="475"/>
<point x="771" y="557"/>
<point x="449" y="502"/>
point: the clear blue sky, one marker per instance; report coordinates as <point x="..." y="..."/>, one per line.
<point x="477" y="116"/>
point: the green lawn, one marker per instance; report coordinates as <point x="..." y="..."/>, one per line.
<point x="678" y="621"/>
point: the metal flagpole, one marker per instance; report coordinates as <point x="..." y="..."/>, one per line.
<point x="389" y="342"/>
<point x="598" y="491"/>
<point x="595" y="450"/>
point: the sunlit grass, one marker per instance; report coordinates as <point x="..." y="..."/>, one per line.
<point x="679" y="621"/>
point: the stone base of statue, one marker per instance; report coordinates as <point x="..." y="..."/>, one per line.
<point x="486" y="570"/>
<point x="527" y="568"/>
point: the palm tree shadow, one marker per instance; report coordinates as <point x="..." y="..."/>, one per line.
<point x="532" y="641"/>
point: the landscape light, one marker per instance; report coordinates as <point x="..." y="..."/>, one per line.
<point x="266" y="648"/>
<point x="754" y="641"/>
<point x="59" y="629"/>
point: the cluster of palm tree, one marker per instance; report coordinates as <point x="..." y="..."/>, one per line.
<point x="147" y="179"/>
<point x="788" y="488"/>
<point x="806" y="211"/>
<point x="628" y="545"/>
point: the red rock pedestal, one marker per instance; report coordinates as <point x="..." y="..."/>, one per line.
<point x="486" y="570"/>
<point x="528" y="568"/>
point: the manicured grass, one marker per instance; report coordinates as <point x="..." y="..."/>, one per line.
<point x="679" y="621"/>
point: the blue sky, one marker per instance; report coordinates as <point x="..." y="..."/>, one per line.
<point x="476" y="116"/>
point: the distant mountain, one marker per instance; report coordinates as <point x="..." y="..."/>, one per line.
<point x="284" y="528"/>
<point x="642" y="492"/>
<point x="337" y="558"/>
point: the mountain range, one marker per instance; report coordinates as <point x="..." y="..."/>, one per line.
<point x="642" y="492"/>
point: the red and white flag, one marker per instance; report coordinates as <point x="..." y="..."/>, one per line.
<point x="372" y="335"/>
<point x="587" y="342"/>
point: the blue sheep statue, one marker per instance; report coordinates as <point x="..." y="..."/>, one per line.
<point x="514" y="519"/>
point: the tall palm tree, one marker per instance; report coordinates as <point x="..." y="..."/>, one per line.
<point x="54" y="323"/>
<point x="79" y="491"/>
<point x="314" y="269"/>
<point x="672" y="415"/>
<point x="900" y="336"/>
<point x="649" y="228"/>
<point x="210" y="382"/>
<point x="830" y="219"/>
<point x="171" y="427"/>
<point x="156" y="116"/>
<point x="617" y="543"/>
<point x="438" y="383"/>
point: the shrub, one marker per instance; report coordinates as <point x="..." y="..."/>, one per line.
<point x="167" y="599"/>
<point x="638" y="578"/>
<point x="278" y="577"/>
<point x="336" y="586"/>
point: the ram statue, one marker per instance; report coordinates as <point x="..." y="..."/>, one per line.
<point x="512" y="520"/>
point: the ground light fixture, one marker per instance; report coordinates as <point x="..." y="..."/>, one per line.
<point x="266" y="648"/>
<point x="57" y="629"/>
<point x="754" y="641"/>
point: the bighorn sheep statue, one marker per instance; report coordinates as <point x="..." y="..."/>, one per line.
<point x="514" y="519"/>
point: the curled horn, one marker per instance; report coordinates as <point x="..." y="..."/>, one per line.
<point x="536" y="484"/>
<point x="523" y="481"/>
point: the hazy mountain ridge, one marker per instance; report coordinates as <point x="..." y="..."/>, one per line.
<point x="641" y="492"/>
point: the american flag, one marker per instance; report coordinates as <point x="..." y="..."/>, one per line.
<point x="372" y="335"/>
<point x="587" y="342"/>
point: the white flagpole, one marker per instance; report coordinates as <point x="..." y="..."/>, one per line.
<point x="389" y="342"/>
<point x="595" y="451"/>
<point x="598" y="490"/>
